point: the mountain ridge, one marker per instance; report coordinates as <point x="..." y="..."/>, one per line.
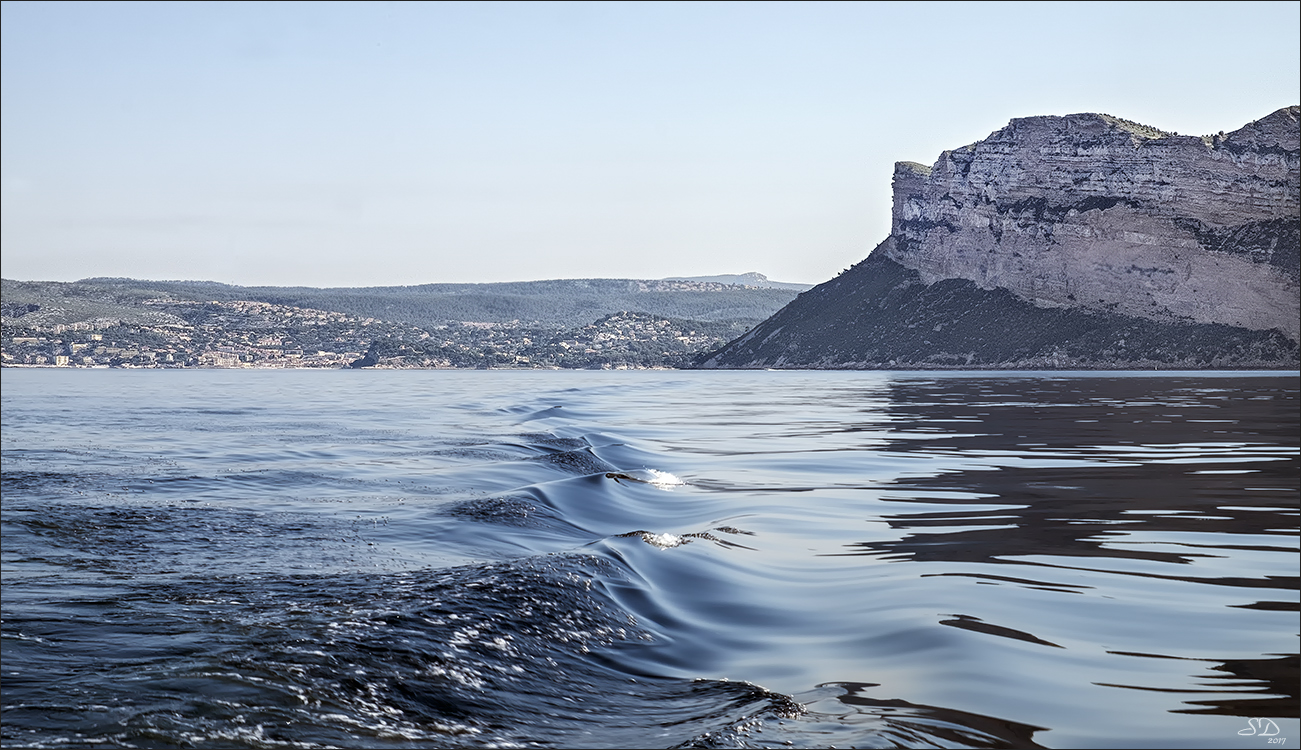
<point x="750" y="278"/>
<point x="567" y="302"/>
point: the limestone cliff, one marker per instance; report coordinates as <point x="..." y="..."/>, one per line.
<point x="1085" y="240"/>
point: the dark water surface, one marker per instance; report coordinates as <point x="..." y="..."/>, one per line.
<point x="649" y="559"/>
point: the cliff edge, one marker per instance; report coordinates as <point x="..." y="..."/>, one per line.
<point x="1083" y="241"/>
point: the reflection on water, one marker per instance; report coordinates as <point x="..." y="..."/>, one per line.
<point x="1276" y="678"/>
<point x="406" y="559"/>
<point x="1073" y="481"/>
<point x="908" y="725"/>
<point x="1089" y="475"/>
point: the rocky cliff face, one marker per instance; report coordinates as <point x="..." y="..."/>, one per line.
<point x="1087" y="240"/>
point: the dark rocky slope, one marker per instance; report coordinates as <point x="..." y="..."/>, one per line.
<point x="879" y="315"/>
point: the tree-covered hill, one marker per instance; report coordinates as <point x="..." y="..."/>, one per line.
<point x="561" y="302"/>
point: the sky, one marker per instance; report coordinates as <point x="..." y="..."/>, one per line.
<point x="366" y="144"/>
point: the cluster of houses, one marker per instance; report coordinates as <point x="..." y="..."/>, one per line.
<point x="244" y="334"/>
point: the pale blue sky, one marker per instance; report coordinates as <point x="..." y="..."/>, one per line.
<point x="340" y="144"/>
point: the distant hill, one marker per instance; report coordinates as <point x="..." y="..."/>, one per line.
<point x="751" y="278"/>
<point x="51" y="303"/>
<point x="559" y="302"/>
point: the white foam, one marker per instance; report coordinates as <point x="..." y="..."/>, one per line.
<point x="663" y="479"/>
<point x="664" y="541"/>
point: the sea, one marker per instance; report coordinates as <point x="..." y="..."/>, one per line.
<point x="649" y="559"/>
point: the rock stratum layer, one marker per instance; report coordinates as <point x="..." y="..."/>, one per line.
<point x="1083" y="241"/>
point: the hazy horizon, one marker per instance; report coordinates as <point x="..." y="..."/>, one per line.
<point x="671" y="277"/>
<point x="356" y="145"/>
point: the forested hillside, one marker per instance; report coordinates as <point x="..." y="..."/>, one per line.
<point x="562" y="302"/>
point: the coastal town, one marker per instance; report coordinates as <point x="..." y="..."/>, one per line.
<point x="248" y="334"/>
